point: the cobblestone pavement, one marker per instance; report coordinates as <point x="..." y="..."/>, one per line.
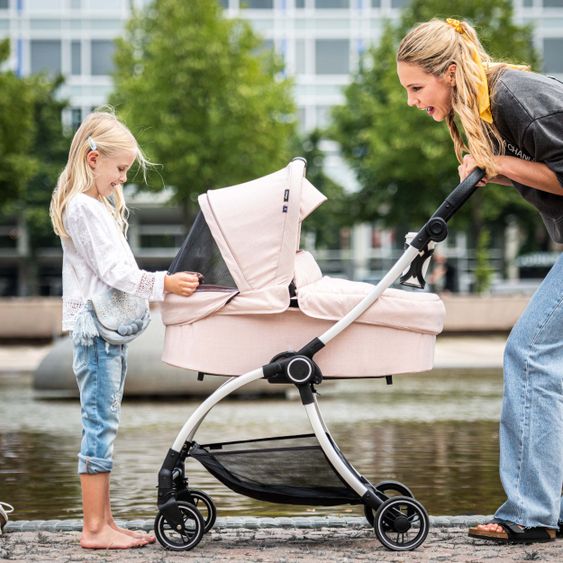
<point x="264" y="540"/>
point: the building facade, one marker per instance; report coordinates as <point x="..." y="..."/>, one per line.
<point x="321" y="42"/>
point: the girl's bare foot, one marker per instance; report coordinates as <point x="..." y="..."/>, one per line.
<point x="140" y="534"/>
<point x="108" y="538"/>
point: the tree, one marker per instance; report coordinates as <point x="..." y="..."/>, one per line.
<point x="326" y="222"/>
<point x="201" y="97"/>
<point x="404" y="162"/>
<point x="17" y="163"/>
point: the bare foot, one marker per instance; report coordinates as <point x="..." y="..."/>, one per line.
<point x="491" y="527"/>
<point x="108" y="538"/>
<point x="140" y="534"/>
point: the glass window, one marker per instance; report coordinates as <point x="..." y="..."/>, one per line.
<point x="399" y="3"/>
<point x="300" y="54"/>
<point x="4" y="4"/>
<point x="43" y="5"/>
<point x="299" y="4"/>
<point x="553" y="3"/>
<point x="76" y="4"/>
<point x="332" y="56"/>
<point x="224" y="3"/>
<point x="102" y="57"/>
<point x="75" y="118"/>
<point x="528" y="3"/>
<point x="45" y="56"/>
<point x="331" y="4"/>
<point x="75" y="58"/>
<point x="257" y="4"/>
<point x="552" y="59"/>
<point x="376" y="3"/>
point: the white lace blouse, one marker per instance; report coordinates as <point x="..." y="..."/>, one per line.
<point x="96" y="256"/>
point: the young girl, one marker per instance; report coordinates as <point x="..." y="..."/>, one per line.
<point x="513" y="125"/>
<point x="89" y="214"/>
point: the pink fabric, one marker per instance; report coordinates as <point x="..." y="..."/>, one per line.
<point x="234" y="345"/>
<point x="332" y="298"/>
<point x="176" y="309"/>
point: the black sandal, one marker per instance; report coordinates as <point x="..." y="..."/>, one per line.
<point x="514" y="533"/>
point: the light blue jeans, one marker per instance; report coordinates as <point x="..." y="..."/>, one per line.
<point x="531" y="425"/>
<point x="100" y="370"/>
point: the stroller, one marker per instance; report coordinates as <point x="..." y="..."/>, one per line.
<point x="264" y="310"/>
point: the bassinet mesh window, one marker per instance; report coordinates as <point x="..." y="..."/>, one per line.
<point x="200" y="253"/>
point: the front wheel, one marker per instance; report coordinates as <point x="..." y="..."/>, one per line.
<point x="204" y="505"/>
<point x="182" y="539"/>
<point x="401" y="524"/>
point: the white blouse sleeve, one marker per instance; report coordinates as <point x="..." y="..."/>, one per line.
<point x="98" y="243"/>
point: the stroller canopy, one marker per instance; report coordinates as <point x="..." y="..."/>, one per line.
<point x="256" y="225"/>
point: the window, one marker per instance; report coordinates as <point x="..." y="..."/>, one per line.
<point x="102" y="57"/>
<point x="257" y="4"/>
<point x="75" y="58"/>
<point x="376" y="3"/>
<point x="552" y="3"/>
<point x="331" y="4"/>
<point x="332" y="56"/>
<point x="552" y="60"/>
<point x="299" y="4"/>
<point x="399" y="3"/>
<point x="75" y="118"/>
<point x="224" y="3"/>
<point x="4" y="4"/>
<point x="45" y="56"/>
<point x="300" y="57"/>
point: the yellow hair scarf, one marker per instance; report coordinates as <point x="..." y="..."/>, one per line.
<point x="482" y="86"/>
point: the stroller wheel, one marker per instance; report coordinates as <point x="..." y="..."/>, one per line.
<point x="180" y="540"/>
<point x="401" y="524"/>
<point x="204" y="505"/>
<point x="389" y="489"/>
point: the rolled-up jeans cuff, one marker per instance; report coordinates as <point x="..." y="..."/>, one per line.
<point x="93" y="465"/>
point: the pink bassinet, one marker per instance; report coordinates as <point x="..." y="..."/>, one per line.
<point x="262" y="295"/>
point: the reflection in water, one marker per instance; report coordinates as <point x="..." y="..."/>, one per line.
<point x="436" y="434"/>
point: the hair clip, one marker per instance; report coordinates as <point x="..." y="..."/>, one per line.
<point x="92" y="144"/>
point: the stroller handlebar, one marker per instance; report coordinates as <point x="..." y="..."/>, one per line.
<point x="436" y="228"/>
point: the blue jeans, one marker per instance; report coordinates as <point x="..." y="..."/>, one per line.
<point x="531" y="425"/>
<point x="100" y="370"/>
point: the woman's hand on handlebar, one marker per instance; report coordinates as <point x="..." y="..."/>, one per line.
<point x="467" y="166"/>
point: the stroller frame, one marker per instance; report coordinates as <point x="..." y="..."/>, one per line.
<point x="400" y="522"/>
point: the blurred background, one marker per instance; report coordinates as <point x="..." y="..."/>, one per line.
<point x="217" y="93"/>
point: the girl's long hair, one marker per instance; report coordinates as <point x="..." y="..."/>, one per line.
<point x="110" y="136"/>
<point x="434" y="46"/>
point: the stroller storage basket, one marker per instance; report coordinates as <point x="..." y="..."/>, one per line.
<point x="289" y="470"/>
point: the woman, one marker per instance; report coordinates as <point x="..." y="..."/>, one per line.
<point x="512" y="121"/>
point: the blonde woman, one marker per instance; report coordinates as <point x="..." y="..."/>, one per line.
<point x="89" y="214"/>
<point x="512" y="123"/>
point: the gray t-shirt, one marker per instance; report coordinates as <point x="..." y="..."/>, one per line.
<point x="528" y="112"/>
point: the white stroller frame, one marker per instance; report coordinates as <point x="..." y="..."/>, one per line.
<point x="394" y="518"/>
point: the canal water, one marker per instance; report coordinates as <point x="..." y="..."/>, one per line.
<point x="438" y="434"/>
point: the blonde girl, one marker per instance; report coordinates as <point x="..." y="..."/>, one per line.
<point x="512" y="126"/>
<point x="89" y="214"/>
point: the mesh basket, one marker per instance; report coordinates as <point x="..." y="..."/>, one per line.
<point x="200" y="253"/>
<point x="289" y="470"/>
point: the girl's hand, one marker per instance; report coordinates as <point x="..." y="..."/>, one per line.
<point x="181" y="283"/>
<point x="467" y="166"/>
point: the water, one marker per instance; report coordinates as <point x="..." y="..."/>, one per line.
<point x="438" y="434"/>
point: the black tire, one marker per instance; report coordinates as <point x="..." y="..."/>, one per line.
<point x="204" y="504"/>
<point x="174" y="540"/>
<point x="389" y="489"/>
<point x="401" y="524"/>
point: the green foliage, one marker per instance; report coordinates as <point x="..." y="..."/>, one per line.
<point x="483" y="268"/>
<point x="17" y="164"/>
<point x="201" y="97"/>
<point x="404" y="161"/>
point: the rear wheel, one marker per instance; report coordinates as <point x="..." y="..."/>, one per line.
<point x="401" y="524"/>
<point x="389" y="489"/>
